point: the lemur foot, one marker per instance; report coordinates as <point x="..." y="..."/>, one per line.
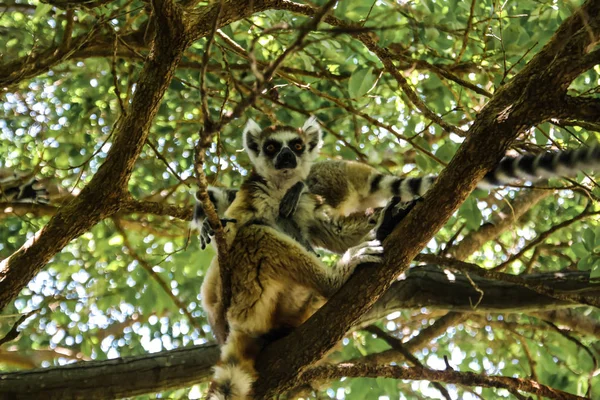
<point x="366" y="252"/>
<point x="394" y="212"/>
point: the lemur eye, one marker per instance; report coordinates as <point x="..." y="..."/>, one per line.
<point x="298" y="146"/>
<point x="270" y="148"/>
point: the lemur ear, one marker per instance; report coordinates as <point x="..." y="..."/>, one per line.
<point x="251" y="132"/>
<point x="313" y="130"/>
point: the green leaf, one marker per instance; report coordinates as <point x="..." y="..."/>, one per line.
<point x="595" y="273"/>
<point x="585" y="264"/>
<point x="116" y="240"/>
<point x="360" y="82"/>
<point x="41" y="10"/>
<point x="580" y="250"/>
<point x="589" y="239"/>
<point x="471" y="213"/>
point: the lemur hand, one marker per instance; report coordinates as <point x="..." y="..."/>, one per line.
<point x="207" y="232"/>
<point x="290" y="200"/>
<point x="394" y="212"/>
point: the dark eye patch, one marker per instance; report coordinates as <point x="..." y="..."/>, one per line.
<point x="271" y="147"/>
<point x="297" y="146"/>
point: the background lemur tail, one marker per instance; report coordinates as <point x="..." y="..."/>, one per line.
<point x="235" y="373"/>
<point x="527" y="167"/>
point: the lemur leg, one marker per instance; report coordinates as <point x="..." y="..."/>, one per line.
<point x="338" y="233"/>
<point x="212" y="302"/>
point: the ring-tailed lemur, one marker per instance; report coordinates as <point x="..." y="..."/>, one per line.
<point x="276" y="282"/>
<point x="16" y="187"/>
<point x="282" y="157"/>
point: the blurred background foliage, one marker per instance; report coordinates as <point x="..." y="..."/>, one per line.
<point x="131" y="284"/>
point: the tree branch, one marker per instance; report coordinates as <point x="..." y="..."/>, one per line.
<point x="585" y="109"/>
<point x="105" y="193"/>
<point x="329" y="372"/>
<point x="500" y="222"/>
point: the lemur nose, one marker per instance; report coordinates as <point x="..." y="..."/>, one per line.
<point x="285" y="159"/>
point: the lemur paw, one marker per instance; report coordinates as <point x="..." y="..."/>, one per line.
<point x="366" y="252"/>
<point x="207" y="232"/>
<point x="290" y="200"/>
<point x="394" y="212"/>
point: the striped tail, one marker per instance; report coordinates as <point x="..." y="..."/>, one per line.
<point x="528" y="167"/>
<point x="532" y="167"/>
<point x="234" y="373"/>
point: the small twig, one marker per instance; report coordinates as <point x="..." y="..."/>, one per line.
<point x="14" y="332"/>
<point x="466" y="35"/>
<point x="578" y="343"/>
<point x="157" y="278"/>
<point x="67" y="34"/>
<point x="164" y="160"/>
<point x="544" y="235"/>
<point x="114" y="74"/>
<point x="477" y="289"/>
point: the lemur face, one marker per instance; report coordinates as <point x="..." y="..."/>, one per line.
<point x="283" y="155"/>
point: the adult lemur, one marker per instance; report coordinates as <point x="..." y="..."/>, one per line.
<point x="276" y="283"/>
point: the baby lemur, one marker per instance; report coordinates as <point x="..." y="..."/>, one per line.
<point x="20" y="188"/>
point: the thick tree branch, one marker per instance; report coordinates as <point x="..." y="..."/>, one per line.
<point x="105" y="193"/>
<point x="113" y="379"/>
<point x="37" y="63"/>
<point x="575" y="321"/>
<point x="329" y="372"/>
<point x="585" y="109"/>
<point x="500" y="222"/>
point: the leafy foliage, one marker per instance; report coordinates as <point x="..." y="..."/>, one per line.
<point x="114" y="291"/>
